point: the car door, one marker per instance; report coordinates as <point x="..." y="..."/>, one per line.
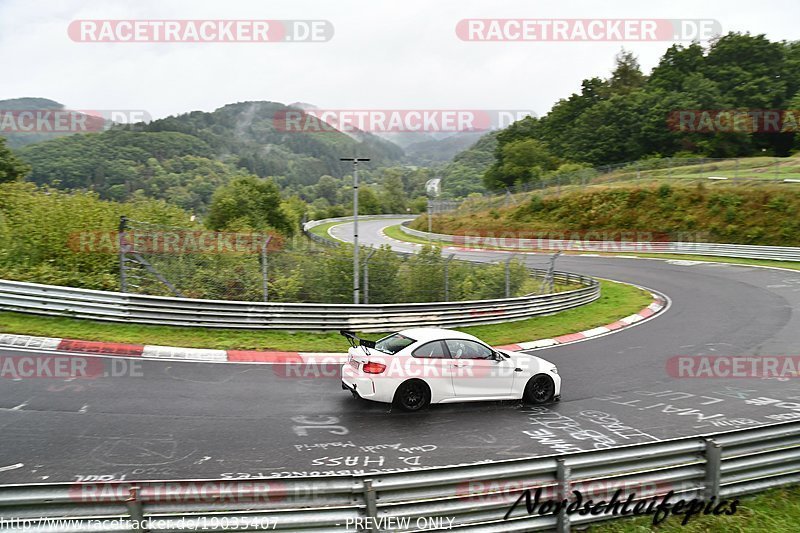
<point x="432" y="363"/>
<point x="477" y="373"/>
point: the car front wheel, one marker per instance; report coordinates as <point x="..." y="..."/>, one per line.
<point x="540" y="389"/>
<point x="412" y="395"/>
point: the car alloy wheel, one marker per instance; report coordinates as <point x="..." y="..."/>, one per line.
<point x="540" y="389"/>
<point x="413" y="395"/>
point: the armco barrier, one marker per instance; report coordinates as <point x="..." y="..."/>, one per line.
<point x="471" y="498"/>
<point x="746" y="251"/>
<point x="160" y="310"/>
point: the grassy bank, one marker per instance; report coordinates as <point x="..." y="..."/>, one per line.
<point x="709" y="213"/>
<point x="617" y="300"/>
<point x="776" y="511"/>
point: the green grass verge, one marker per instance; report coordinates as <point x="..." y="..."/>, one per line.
<point x="322" y="229"/>
<point x="776" y="511"/>
<point x="396" y="233"/>
<point x="617" y="300"/>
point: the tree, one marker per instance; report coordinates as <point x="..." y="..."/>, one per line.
<point x="248" y="202"/>
<point x="11" y="167"/>
<point x="627" y="76"/>
<point x="393" y="195"/>
<point x="521" y="161"/>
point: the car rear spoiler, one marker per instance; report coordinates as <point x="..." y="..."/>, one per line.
<point x="355" y="340"/>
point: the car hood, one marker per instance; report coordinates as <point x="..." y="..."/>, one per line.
<point x="522" y="359"/>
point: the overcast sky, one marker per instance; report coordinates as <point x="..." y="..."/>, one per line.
<point x="390" y="54"/>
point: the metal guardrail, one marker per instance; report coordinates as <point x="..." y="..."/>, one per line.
<point x="472" y="498"/>
<point x="747" y="251"/>
<point x="161" y="310"/>
<point x="171" y="311"/>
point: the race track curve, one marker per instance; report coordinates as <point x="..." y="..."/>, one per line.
<point x="205" y="420"/>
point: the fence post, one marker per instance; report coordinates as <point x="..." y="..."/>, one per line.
<point x="447" y="277"/>
<point x="562" y="480"/>
<point x="371" y="504"/>
<point x="366" y="274"/>
<point x="264" y="285"/>
<point x="123" y="281"/>
<point x="713" y="459"/>
<point x="508" y="275"/>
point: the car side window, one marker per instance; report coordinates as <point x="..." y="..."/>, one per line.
<point x="466" y="349"/>
<point x="431" y="350"/>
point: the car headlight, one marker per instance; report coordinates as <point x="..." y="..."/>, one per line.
<point x="554" y="370"/>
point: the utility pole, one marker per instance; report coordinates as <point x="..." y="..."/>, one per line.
<point x="356" y="270"/>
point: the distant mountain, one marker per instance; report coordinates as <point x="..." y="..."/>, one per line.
<point x="435" y="150"/>
<point x="184" y="158"/>
<point x="9" y="125"/>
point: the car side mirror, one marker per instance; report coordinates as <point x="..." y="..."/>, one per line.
<point x="498" y="357"/>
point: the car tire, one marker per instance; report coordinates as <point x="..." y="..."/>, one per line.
<point x="540" y="389"/>
<point x="412" y="395"/>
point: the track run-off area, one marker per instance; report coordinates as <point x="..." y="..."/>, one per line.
<point x="176" y="420"/>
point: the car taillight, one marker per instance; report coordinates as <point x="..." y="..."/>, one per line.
<point x="373" y="368"/>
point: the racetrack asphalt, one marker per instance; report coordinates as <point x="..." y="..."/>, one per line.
<point x="201" y="420"/>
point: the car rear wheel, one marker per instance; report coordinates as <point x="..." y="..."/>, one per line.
<point x="539" y="389"/>
<point x="412" y="395"/>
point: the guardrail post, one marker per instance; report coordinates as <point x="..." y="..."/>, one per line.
<point x="562" y="480"/>
<point x="713" y="460"/>
<point x="135" y="510"/>
<point x="371" y="502"/>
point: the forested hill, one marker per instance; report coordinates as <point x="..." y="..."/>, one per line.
<point x="184" y="158"/>
<point x="625" y="117"/>
<point x="247" y="130"/>
<point x="17" y="139"/>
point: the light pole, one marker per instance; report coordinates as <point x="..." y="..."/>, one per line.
<point x="356" y="270"/>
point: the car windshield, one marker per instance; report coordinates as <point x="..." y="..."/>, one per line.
<point x="393" y="343"/>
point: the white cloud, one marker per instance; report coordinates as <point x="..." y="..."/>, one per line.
<point x="385" y="53"/>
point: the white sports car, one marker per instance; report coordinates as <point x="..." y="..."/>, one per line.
<point x="416" y="367"/>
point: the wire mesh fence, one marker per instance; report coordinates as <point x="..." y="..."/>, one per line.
<point x="166" y="261"/>
<point x="752" y="171"/>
